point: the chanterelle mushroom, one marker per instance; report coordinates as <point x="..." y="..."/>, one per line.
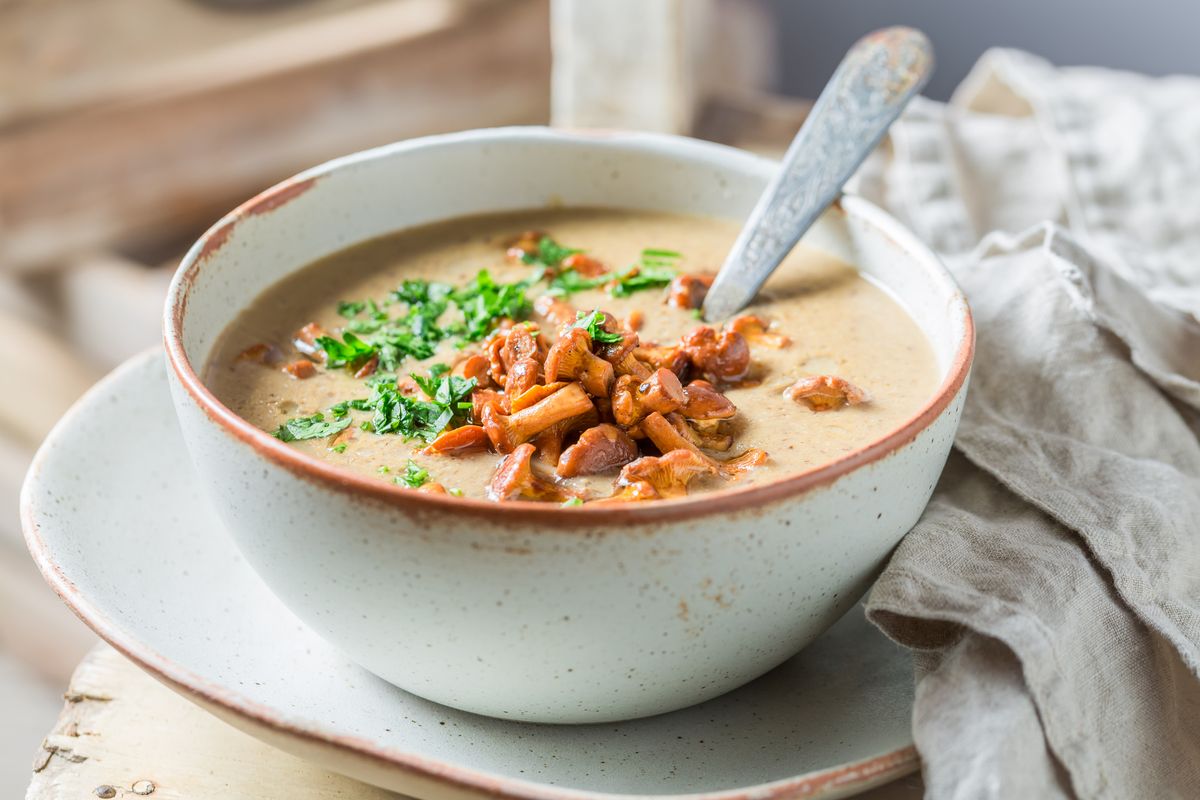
<point x="515" y="479"/>
<point x="673" y="358"/>
<point x="519" y="343"/>
<point x="688" y="291"/>
<point x="571" y="358"/>
<point x="825" y="393"/>
<point x="549" y="443"/>
<point x="756" y="331"/>
<point x="459" y="441"/>
<point x="526" y="243"/>
<point x="305" y="340"/>
<point x="599" y="449"/>
<point x="508" y="431"/>
<point x="585" y="265"/>
<point x="667" y="437"/>
<point x="704" y="402"/>
<point x="638" y="490"/>
<point x="557" y="312"/>
<point x="522" y="376"/>
<point x="668" y="474"/>
<point x="474" y="366"/>
<point x="723" y="358"/>
<point x="632" y="400"/>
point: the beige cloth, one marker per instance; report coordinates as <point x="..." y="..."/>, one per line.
<point x="1052" y="588"/>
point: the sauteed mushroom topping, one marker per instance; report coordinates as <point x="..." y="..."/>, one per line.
<point x="755" y="331"/>
<point x="826" y="393"/>
<point x="516" y="480"/>
<point x="565" y="378"/>
<point x="689" y="291"/>
<point x="722" y="358"/>
<point x="668" y="474"/>
<point x="600" y="449"/>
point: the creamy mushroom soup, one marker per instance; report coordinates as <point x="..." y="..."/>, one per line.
<point x="559" y="355"/>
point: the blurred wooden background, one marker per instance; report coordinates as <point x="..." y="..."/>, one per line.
<point x="127" y="128"/>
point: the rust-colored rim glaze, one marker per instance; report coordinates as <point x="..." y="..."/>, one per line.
<point x="858" y="775"/>
<point x="722" y="501"/>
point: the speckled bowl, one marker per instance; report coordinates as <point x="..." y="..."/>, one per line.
<point x="530" y="611"/>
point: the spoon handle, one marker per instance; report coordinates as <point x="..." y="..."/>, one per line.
<point x="875" y="80"/>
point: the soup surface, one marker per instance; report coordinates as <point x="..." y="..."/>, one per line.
<point x="397" y="359"/>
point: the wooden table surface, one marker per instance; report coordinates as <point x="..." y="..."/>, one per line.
<point x="121" y="734"/>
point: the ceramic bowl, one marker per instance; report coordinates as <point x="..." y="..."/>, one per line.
<point x="533" y="611"/>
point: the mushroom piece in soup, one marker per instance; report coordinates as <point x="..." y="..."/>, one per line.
<point x="559" y="356"/>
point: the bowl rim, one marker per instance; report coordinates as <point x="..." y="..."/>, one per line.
<point x="727" y="500"/>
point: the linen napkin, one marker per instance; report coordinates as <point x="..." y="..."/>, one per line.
<point x="1052" y="588"/>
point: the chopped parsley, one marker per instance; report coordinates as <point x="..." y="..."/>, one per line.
<point x="484" y="302"/>
<point x="392" y="412"/>
<point x="414" y="475"/>
<point x="654" y="269"/>
<point x="456" y="492"/>
<point x="419" y="419"/>
<point x="350" y="309"/>
<point x="339" y="448"/>
<point x="549" y="253"/>
<point x="569" y="281"/>
<point x="314" y="427"/>
<point x="351" y="351"/>
<point x="416" y="332"/>
<point x="574" y="501"/>
<point x="593" y="323"/>
<point x="384" y="470"/>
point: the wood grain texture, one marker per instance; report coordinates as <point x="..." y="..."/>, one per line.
<point x="119" y="728"/>
<point x="194" y="140"/>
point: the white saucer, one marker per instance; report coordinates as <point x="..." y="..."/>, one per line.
<point x="117" y="524"/>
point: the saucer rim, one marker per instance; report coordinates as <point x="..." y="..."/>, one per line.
<point x="259" y="719"/>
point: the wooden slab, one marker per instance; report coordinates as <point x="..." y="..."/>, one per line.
<point x="186" y="141"/>
<point x="121" y="731"/>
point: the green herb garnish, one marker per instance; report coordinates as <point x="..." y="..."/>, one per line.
<point x="569" y="281"/>
<point x="549" y="253"/>
<point x="574" y="501"/>
<point x="483" y="302"/>
<point x="350" y="309"/>
<point x="593" y="323"/>
<point x="414" y="475"/>
<point x="418" y="419"/>
<point x="314" y="427"/>
<point x="654" y="269"/>
<point x="351" y="351"/>
<point x="456" y="492"/>
<point x="339" y="448"/>
<point x="639" y="278"/>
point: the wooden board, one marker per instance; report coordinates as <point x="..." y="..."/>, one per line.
<point x="122" y="730"/>
<point x="187" y="140"/>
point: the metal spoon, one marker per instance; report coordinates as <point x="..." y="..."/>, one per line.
<point x="874" y="82"/>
